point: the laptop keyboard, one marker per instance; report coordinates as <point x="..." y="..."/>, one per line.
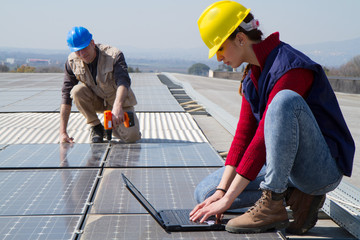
<point x="180" y="216"/>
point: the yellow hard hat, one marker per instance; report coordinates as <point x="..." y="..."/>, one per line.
<point x="219" y="21"/>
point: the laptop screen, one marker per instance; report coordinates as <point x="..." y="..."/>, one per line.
<point x="142" y="199"/>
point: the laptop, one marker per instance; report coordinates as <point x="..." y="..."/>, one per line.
<point x="176" y="220"/>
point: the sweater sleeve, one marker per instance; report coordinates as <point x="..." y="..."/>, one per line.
<point x="254" y="157"/>
<point x="245" y="131"/>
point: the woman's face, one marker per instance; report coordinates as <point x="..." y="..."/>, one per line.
<point x="231" y="53"/>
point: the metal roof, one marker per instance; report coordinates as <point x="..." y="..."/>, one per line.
<point x="27" y="128"/>
<point x="73" y="192"/>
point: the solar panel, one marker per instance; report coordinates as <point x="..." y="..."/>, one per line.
<point x="52" y="155"/>
<point x="31" y="81"/>
<point x="38" y="227"/>
<point x="144" y="79"/>
<point x="156" y="99"/>
<point x="165" y="188"/>
<point x="30" y="100"/>
<point x="43" y="192"/>
<point x="11" y="97"/>
<point x="163" y="155"/>
<point x="152" y="95"/>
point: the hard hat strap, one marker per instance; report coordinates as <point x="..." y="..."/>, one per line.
<point x="253" y="24"/>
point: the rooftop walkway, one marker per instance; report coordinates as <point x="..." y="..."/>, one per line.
<point x="62" y="191"/>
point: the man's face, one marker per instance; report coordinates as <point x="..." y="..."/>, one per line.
<point x="87" y="54"/>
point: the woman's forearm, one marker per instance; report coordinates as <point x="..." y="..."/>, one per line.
<point x="227" y="177"/>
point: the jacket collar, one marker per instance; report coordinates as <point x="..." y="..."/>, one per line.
<point x="262" y="51"/>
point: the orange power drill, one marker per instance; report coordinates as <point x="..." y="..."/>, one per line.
<point x="128" y="122"/>
<point x="108" y="124"/>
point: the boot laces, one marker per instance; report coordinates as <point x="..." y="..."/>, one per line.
<point x="259" y="202"/>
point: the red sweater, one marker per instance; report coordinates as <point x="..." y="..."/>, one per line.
<point x="247" y="151"/>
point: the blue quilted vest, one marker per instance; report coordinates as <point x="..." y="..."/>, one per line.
<point x="321" y="100"/>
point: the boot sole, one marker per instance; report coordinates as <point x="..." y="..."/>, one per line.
<point x="312" y="218"/>
<point x="97" y="140"/>
<point x="277" y="226"/>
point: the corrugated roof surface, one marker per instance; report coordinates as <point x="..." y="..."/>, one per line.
<point x="26" y="128"/>
<point x="169" y="126"/>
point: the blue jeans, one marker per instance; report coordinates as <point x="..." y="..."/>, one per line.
<point x="247" y="198"/>
<point x="297" y="154"/>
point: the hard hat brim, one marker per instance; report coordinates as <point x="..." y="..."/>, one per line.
<point x="75" y="49"/>
<point x="213" y="50"/>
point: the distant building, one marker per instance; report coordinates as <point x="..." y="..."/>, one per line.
<point x="10" y="60"/>
<point x="37" y="61"/>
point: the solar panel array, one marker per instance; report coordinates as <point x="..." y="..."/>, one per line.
<point x="39" y="94"/>
<point x="45" y="189"/>
<point x="75" y="191"/>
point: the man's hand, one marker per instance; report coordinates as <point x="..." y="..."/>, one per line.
<point x="117" y="110"/>
<point x="65" y="110"/>
<point x="117" y="116"/>
<point x="64" y="138"/>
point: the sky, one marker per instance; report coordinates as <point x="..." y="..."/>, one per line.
<point x="167" y="24"/>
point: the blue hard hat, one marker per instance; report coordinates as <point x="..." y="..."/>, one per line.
<point x="78" y="38"/>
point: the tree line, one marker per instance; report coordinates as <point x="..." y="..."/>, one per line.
<point x="29" y="69"/>
<point x="350" y="69"/>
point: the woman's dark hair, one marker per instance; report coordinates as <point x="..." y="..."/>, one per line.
<point x="253" y="35"/>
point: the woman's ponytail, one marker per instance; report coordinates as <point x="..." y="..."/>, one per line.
<point x="246" y="71"/>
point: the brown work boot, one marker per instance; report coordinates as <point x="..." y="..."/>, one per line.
<point x="305" y="209"/>
<point x="268" y="212"/>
